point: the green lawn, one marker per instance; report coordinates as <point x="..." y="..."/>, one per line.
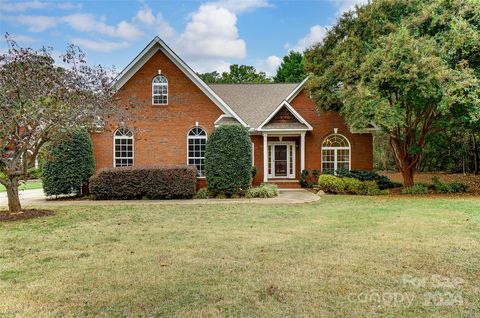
<point x="30" y="185"/>
<point x="342" y="256"/>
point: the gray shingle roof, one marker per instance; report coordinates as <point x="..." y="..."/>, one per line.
<point x="253" y="102"/>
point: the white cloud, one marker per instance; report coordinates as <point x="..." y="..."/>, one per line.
<point x="211" y="33"/>
<point x="209" y="65"/>
<point x="269" y="65"/>
<point x="346" y="5"/>
<point x="88" y="23"/>
<point x="146" y="17"/>
<point x="316" y="34"/>
<point x="34" y="23"/>
<point x="8" y="6"/>
<point x="100" y="46"/>
<point x="240" y="6"/>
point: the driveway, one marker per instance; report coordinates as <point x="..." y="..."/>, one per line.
<point x="286" y="196"/>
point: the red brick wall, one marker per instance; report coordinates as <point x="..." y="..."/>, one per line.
<point x="323" y="125"/>
<point x="160" y="131"/>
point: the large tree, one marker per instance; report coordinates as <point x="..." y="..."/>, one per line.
<point x="408" y="66"/>
<point x="291" y="70"/>
<point x="237" y="74"/>
<point x="40" y="101"/>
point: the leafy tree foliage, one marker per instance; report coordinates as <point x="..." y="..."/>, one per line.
<point x="40" y="101"/>
<point x="238" y="74"/>
<point x="409" y="66"/>
<point x="224" y="175"/>
<point x="68" y="164"/>
<point x="291" y="70"/>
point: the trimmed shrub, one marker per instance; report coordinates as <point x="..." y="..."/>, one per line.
<point x="265" y="190"/>
<point x="352" y="185"/>
<point x="364" y="175"/>
<point x="331" y="184"/>
<point x="418" y="188"/>
<point x="228" y="160"/>
<point x="369" y="188"/>
<point x="170" y="182"/>
<point x="68" y="164"/>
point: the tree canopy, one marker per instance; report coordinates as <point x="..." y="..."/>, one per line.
<point x="239" y="74"/>
<point x="408" y="66"/>
<point x="40" y="101"/>
<point x="291" y="70"/>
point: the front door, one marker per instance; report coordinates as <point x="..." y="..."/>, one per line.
<point x="280" y="161"/>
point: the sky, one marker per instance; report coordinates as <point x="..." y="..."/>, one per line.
<point x="208" y="35"/>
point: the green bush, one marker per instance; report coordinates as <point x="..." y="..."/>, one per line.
<point x="370" y="188"/>
<point x="453" y="187"/>
<point x="383" y="182"/>
<point x="68" y="164"/>
<point x="418" y="188"/>
<point x="228" y="160"/>
<point x="331" y="184"/>
<point x="352" y="185"/>
<point x="263" y="191"/>
<point x="171" y="182"/>
<point x="203" y="193"/>
<point x="34" y="173"/>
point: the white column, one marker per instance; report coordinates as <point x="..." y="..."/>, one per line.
<point x="302" y="152"/>
<point x="265" y="157"/>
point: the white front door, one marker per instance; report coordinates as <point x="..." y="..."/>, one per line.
<point x="282" y="160"/>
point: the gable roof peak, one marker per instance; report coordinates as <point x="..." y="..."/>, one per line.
<point x="157" y="44"/>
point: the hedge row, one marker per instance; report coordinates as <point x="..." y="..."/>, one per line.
<point x="171" y="182"/>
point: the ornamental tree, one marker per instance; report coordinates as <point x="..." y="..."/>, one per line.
<point x="408" y="66"/>
<point x="40" y="101"/>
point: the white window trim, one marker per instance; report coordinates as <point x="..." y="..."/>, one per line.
<point x="253" y="154"/>
<point x="159" y="84"/>
<point x="196" y="137"/>
<point x="335" y="162"/>
<point x="133" y="147"/>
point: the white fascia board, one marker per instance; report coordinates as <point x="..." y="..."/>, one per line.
<point x="149" y="51"/>
<point x="291" y="109"/>
<point x="297" y="90"/>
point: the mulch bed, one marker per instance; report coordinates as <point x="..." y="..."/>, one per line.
<point x="24" y="215"/>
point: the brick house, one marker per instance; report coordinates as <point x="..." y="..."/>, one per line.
<point x="171" y="113"/>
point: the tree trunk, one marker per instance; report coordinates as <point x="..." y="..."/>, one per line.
<point x="14" y="205"/>
<point x="475" y="154"/>
<point x="407" y="174"/>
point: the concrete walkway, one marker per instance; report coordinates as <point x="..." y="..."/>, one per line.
<point x="36" y="198"/>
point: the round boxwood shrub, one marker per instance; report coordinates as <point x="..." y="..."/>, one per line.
<point x="68" y="164"/>
<point x="228" y="160"/>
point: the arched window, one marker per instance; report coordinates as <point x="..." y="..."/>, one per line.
<point x="197" y="142"/>
<point x="335" y="153"/>
<point x="123" y="153"/>
<point x="160" y="90"/>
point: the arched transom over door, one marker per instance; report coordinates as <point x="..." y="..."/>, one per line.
<point x="336" y="154"/>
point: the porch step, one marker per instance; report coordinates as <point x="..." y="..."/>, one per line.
<point x="286" y="184"/>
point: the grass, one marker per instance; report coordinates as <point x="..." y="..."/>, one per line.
<point x="29" y="185"/>
<point x="342" y="256"/>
